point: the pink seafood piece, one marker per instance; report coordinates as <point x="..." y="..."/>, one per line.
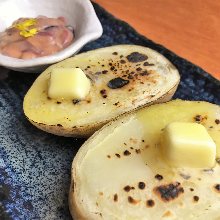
<point x="14" y="49"/>
<point x="62" y="36"/>
<point x="10" y="35"/>
<point x="52" y="36"/>
<point x="44" y="22"/>
<point x="44" y="42"/>
<point x="29" y="54"/>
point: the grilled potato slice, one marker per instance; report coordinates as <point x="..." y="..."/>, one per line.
<point x="124" y="78"/>
<point x="119" y="172"/>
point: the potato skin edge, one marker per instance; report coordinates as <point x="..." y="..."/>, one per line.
<point x="87" y="130"/>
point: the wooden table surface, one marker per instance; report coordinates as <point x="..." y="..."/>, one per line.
<point x="189" y="28"/>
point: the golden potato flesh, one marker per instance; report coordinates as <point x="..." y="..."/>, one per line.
<point x="119" y="172"/>
<point x="124" y="78"/>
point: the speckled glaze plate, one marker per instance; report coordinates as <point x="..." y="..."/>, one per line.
<point x="35" y="166"/>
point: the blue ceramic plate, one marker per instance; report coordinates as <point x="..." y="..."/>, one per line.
<point x="35" y="166"/>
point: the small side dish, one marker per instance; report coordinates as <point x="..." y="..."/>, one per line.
<point x="30" y="38"/>
<point x="126" y="171"/>
<point x="123" y="78"/>
<point x="79" y="14"/>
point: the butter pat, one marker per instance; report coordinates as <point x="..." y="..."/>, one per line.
<point x="188" y="145"/>
<point x="68" y="83"/>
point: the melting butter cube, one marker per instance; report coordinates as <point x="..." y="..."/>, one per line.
<point x="188" y="145"/>
<point x="68" y="83"/>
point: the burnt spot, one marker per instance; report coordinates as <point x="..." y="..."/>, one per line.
<point x="115" y="198"/>
<point x="195" y="198"/>
<point x="59" y="125"/>
<point x="104" y="71"/>
<point x="115" y="53"/>
<point x="103" y="92"/>
<point x="198" y="118"/>
<point x="148" y="64"/>
<point x="158" y="177"/>
<point x="117" y="83"/>
<point x="75" y="101"/>
<point x="217" y="188"/>
<point x="118" y="155"/>
<point x="88" y="101"/>
<point x="116" y="103"/>
<point x="132" y="200"/>
<point x="142" y="140"/>
<point x="218" y="160"/>
<point x="217" y="121"/>
<point x="112" y="68"/>
<point x="144" y="73"/>
<point x="138" y="151"/>
<point x="59" y="103"/>
<point x="150" y="203"/>
<point x="130" y="76"/>
<point x="127" y="188"/>
<point x="109" y="156"/>
<point x="48" y="98"/>
<point x="127" y="153"/>
<point x="110" y="64"/>
<point x="88" y="67"/>
<point x="136" y="57"/>
<point x="139" y="69"/>
<point x="169" y="192"/>
<point x="122" y="61"/>
<point x="191" y="189"/>
<point x="103" y="65"/>
<point x="141" y="185"/>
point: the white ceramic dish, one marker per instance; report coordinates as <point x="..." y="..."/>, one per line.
<point x="80" y="15"/>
